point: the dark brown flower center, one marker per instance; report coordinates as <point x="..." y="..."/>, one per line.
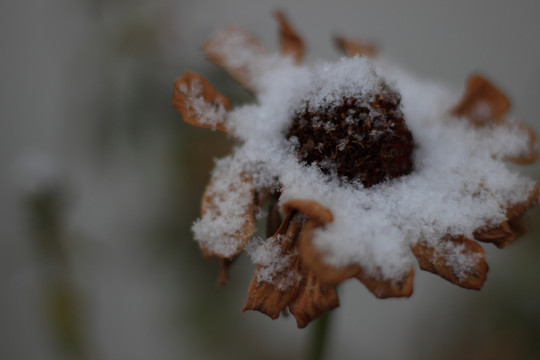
<point x="364" y="140"/>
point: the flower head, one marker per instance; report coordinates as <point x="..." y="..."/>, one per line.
<point x="370" y="166"/>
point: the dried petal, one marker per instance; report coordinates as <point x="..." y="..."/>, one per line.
<point x="267" y="297"/>
<point x="314" y="299"/>
<point x="237" y="52"/>
<point x="211" y="206"/>
<point x="314" y="261"/>
<point x="388" y="288"/>
<point x="518" y="209"/>
<point x="199" y="103"/>
<point x="291" y="43"/>
<point x="481" y="102"/>
<point x="311" y="256"/>
<point x="311" y="209"/>
<point x="352" y="47"/>
<point x="511" y="229"/>
<point x="459" y="260"/>
<point x="501" y="235"/>
<point x="532" y="154"/>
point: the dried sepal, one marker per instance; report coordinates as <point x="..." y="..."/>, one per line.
<point x="268" y="297"/>
<point x="199" y="103"/>
<point x="224" y="265"/>
<point x="291" y="43"/>
<point x="237" y="52"/>
<point x="313" y="300"/>
<point x="482" y="101"/>
<point x="273" y="220"/>
<point x="387" y="288"/>
<point x="440" y="261"/>
<point x="509" y="230"/>
<point x="210" y="204"/>
<point x="352" y="47"/>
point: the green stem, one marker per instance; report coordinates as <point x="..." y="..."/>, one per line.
<point x="319" y="337"/>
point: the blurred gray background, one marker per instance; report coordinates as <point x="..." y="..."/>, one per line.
<point x="100" y="181"/>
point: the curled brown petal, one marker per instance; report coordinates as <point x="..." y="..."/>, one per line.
<point x="312" y="258"/>
<point x="470" y="275"/>
<point x="481" y="102"/>
<point x="291" y="43"/>
<point x="503" y="234"/>
<point x="313" y="300"/>
<point x="199" y="103"/>
<point x="314" y="261"/>
<point x="331" y="275"/>
<point x="238" y="53"/>
<point x="352" y="47"/>
<point x="210" y="204"/>
<point x="311" y="209"/>
<point x="383" y="288"/>
<point x="268" y="297"/>
<point x="509" y="230"/>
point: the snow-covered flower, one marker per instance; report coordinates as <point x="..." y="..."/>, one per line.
<point x="370" y="166"/>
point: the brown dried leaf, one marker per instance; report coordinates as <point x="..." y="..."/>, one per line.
<point x="248" y="227"/>
<point x="352" y="47"/>
<point x="481" y="102"/>
<point x="434" y="261"/>
<point x="313" y="300"/>
<point x="388" y="288"/>
<point x="266" y="297"/>
<point x="237" y="52"/>
<point x="291" y="43"/>
<point x="183" y="99"/>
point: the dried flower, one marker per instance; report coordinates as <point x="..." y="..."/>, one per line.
<point x="370" y="166"/>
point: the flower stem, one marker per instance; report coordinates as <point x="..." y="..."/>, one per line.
<point x="319" y="337"/>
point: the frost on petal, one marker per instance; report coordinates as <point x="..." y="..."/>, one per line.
<point x="482" y="101"/>
<point x="275" y="283"/>
<point x="352" y="47"/>
<point x="314" y="259"/>
<point x="456" y="259"/>
<point x="282" y="278"/>
<point x="199" y="103"/>
<point x="291" y="43"/>
<point x="227" y="216"/>
<point x="530" y="153"/>
<point x="507" y="231"/>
